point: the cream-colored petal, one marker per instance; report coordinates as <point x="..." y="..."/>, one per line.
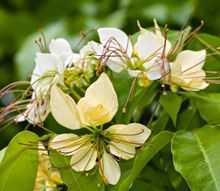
<point x="64" y="109"/>
<point x="115" y="39"/>
<point x="175" y="69"/>
<point x="186" y="71"/>
<point x="191" y="61"/>
<point x="110" y="169"/>
<point x="134" y="133"/>
<point x="122" y="150"/>
<point x="100" y="103"/>
<point x="195" y="85"/>
<point x="149" y="45"/>
<point x="66" y="143"/>
<point x="84" y="159"/>
<point x="60" y="46"/>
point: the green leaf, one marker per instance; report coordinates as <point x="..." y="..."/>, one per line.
<point x="7" y="132"/>
<point x="196" y="157"/>
<point x="160" y="123"/>
<point x="145" y="154"/>
<point x="189" y="118"/>
<point x="171" y="104"/>
<point x="122" y="83"/>
<point x="208" y="104"/>
<point x="18" y="168"/>
<point x="76" y="181"/>
<point x="132" y="98"/>
<point x="144" y="185"/>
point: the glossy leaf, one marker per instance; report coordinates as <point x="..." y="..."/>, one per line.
<point x="196" y="157"/>
<point x="171" y="104"/>
<point x="19" y="166"/>
<point x="208" y="105"/>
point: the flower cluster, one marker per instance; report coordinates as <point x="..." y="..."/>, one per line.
<point x="77" y="90"/>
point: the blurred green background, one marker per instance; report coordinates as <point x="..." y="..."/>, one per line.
<point x="21" y="22"/>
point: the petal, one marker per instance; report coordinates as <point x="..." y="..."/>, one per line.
<point x="153" y="69"/>
<point x="175" y="69"/>
<point x="60" y="46"/>
<point x="100" y="103"/>
<point x="116" y="38"/>
<point x="110" y="169"/>
<point x="84" y="159"/>
<point x="116" y="65"/>
<point x="64" y="109"/>
<point x="149" y="45"/>
<point x="134" y="73"/>
<point x="36" y="111"/>
<point x="45" y="63"/>
<point x="122" y="150"/>
<point x="139" y="138"/>
<point x="65" y="143"/>
<point x="134" y="133"/>
<point x="190" y="61"/>
<point x="154" y="74"/>
<point x="196" y="83"/>
<point x="90" y="48"/>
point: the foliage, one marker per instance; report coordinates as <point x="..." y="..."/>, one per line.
<point x="183" y="151"/>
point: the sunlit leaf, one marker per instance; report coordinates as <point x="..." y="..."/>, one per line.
<point x="18" y="168"/>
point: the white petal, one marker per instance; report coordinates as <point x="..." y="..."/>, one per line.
<point x="90" y="48"/>
<point x="122" y="150"/>
<point x="134" y="133"/>
<point x="134" y="73"/>
<point x="36" y="112"/>
<point x="64" y="109"/>
<point x="60" y="46"/>
<point x="115" y="65"/>
<point x="100" y="103"/>
<point x="110" y="169"/>
<point x="84" y="159"/>
<point x="154" y="75"/>
<point x="65" y="143"/>
<point x="45" y="63"/>
<point x="149" y="45"/>
<point x="117" y="39"/>
<point x="191" y="61"/>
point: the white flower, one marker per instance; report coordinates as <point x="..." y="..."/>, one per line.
<point x="186" y="71"/>
<point x="152" y="49"/>
<point x="48" y="71"/>
<point x="50" y="66"/>
<point x="148" y="54"/>
<point x="97" y="107"/>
